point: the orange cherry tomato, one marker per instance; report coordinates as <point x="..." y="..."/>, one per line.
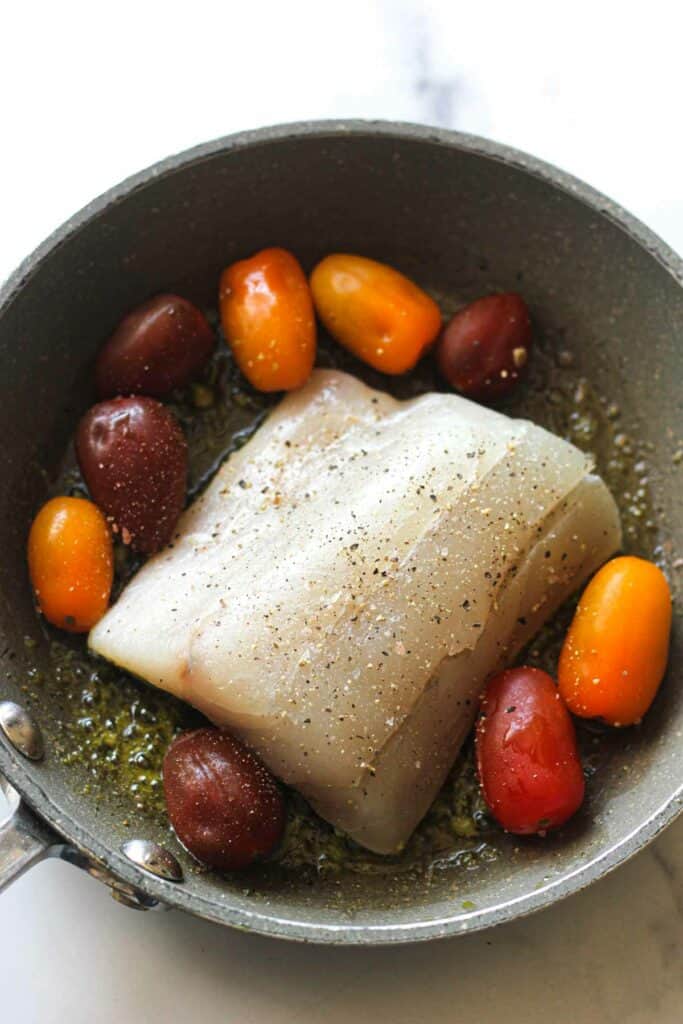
<point x="268" y="319"/>
<point x="614" y="655"/>
<point x="71" y="563"/>
<point x="374" y="311"/>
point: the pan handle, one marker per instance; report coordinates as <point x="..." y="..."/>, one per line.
<point x="25" y="840"/>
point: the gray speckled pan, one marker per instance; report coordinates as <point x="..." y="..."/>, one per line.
<point x="457" y="212"/>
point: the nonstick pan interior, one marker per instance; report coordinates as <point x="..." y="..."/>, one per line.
<point x="463" y="217"/>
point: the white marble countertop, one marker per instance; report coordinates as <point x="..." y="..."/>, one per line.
<point x="91" y="98"/>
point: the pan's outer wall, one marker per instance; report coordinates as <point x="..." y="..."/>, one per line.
<point x="460" y="214"/>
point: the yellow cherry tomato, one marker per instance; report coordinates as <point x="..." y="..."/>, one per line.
<point x="614" y="655"/>
<point x="268" y="319"/>
<point x="71" y="563"/>
<point x="374" y="311"/>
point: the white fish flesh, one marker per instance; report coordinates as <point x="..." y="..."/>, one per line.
<point x="339" y="594"/>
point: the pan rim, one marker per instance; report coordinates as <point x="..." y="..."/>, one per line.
<point x="269" y="923"/>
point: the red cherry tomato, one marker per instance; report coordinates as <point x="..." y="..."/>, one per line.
<point x="133" y="456"/>
<point x="528" y="761"/>
<point x="484" y="349"/>
<point x="158" y="347"/>
<point x="224" y="805"/>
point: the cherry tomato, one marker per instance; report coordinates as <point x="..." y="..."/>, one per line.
<point x="71" y="563"/>
<point x="527" y="756"/>
<point x="156" y="348"/>
<point x="485" y="347"/>
<point x="224" y="805"/>
<point x="374" y="311"/>
<point x="268" y="319"/>
<point x="133" y="457"/>
<point x="615" y="652"/>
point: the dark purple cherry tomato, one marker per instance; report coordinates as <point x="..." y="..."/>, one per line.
<point x="483" y="350"/>
<point x="224" y="805"/>
<point x="156" y="348"/>
<point x="133" y="456"/>
<point x="529" y="765"/>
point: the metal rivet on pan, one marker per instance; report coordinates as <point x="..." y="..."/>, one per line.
<point x="127" y="901"/>
<point x="21" y="730"/>
<point x="153" y="858"/>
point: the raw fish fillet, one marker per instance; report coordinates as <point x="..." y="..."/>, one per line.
<point x="339" y="594"/>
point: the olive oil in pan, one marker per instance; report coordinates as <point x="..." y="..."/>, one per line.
<point x="119" y="728"/>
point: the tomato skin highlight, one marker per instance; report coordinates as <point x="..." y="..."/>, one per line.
<point x="615" y="652"/>
<point x="528" y="761"/>
<point x="374" y="311"/>
<point x="268" y="319"/>
<point x="71" y="563"/>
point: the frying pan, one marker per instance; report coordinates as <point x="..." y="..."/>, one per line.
<point x="462" y="215"/>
